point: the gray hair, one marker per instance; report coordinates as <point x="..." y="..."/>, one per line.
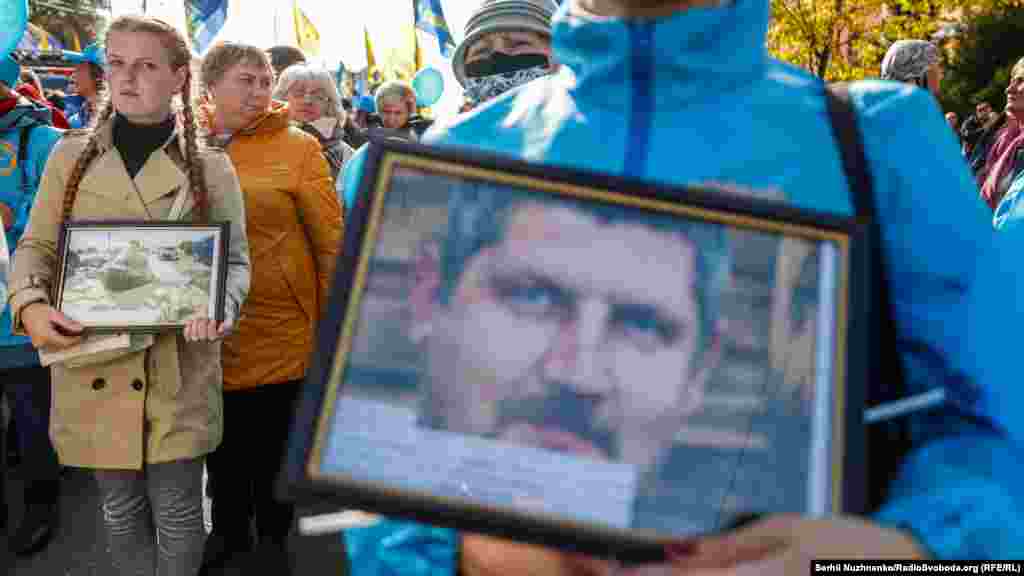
<point x="320" y="78"/>
<point x="909" y="61"/>
<point x="395" y="90"/>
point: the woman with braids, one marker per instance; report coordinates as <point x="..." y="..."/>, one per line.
<point x="294" y="222"/>
<point x="142" y="418"/>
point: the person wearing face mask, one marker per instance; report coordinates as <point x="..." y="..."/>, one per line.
<point x="507" y="44"/>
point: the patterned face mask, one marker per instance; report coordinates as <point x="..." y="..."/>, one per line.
<point x="484" y="88"/>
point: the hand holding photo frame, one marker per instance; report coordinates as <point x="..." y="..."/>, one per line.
<point x="141" y="277"/>
<point x="583" y="361"/>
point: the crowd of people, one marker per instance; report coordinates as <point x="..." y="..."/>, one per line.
<point x="675" y="93"/>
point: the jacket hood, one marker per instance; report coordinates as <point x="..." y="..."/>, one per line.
<point x="273" y="120"/>
<point x="26" y="113"/>
<point x="276" y="118"/>
<point x="691" y="54"/>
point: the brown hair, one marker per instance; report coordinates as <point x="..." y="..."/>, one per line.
<point x="224" y="55"/>
<point x="179" y="55"/>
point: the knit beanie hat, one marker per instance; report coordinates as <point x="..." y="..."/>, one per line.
<point x="495" y="15"/>
<point x="10" y="72"/>
<point x="909" y="60"/>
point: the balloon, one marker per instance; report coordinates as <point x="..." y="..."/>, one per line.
<point x="429" y="85"/>
<point x="13" y="23"/>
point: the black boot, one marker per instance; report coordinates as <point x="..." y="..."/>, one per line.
<point x="39" y="522"/>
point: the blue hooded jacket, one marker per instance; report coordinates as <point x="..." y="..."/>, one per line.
<point x="693" y="99"/>
<point x="41" y="141"/>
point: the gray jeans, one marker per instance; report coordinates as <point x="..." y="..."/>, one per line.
<point x="154" y="518"/>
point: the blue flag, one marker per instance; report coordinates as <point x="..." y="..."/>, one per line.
<point x="204" y="18"/>
<point x="430" y="19"/>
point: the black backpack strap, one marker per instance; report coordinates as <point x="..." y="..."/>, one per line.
<point x="887" y="442"/>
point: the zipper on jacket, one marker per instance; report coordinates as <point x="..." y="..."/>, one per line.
<point x="641" y="42"/>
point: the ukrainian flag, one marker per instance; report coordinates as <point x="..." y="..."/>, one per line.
<point x="305" y="33"/>
<point x="204" y="19"/>
<point x="430" y="19"/>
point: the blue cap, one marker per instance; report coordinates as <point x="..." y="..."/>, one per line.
<point x="10" y="72"/>
<point x="93" y="53"/>
<point x="366" y="104"/>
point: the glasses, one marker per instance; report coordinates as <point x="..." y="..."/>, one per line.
<point x="318" y="97"/>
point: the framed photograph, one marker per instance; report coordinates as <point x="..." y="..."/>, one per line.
<point x="583" y="361"/>
<point x="141" y="276"/>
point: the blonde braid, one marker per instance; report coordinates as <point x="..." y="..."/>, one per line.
<point x="91" y="151"/>
<point x="195" y="168"/>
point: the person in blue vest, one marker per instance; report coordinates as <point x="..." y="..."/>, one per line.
<point x="683" y="92"/>
<point x="26" y="139"/>
<point x="89" y="82"/>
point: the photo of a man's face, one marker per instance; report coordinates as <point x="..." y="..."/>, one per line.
<point x="582" y="357"/>
<point x="571" y="334"/>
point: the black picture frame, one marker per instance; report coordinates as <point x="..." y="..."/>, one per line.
<point x="301" y="478"/>
<point x="132" y="276"/>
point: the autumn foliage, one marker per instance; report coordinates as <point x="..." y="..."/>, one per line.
<point x="846" y="39"/>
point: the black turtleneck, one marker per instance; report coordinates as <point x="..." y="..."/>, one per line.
<point x="136" y="142"/>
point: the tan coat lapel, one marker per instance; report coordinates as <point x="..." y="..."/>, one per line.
<point x="153" y="189"/>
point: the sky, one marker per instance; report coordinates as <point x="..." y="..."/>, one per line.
<point x="340" y="23"/>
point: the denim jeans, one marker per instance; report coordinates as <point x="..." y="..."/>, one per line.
<point x="154" y="518"/>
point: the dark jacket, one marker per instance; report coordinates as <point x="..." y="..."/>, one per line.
<point x="977" y="156"/>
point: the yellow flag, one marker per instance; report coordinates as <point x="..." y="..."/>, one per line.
<point x="76" y="42"/>
<point x="41" y="36"/>
<point x="372" y="73"/>
<point x="419" y="52"/>
<point x="305" y="33"/>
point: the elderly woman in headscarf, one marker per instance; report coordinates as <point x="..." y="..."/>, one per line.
<point x="915" y="62"/>
<point x="1004" y="178"/>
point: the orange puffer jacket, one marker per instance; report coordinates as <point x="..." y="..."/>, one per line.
<point x="294" y="222"/>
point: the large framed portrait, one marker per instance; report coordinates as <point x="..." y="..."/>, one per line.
<point x="584" y="361"/>
<point x="145" y="276"/>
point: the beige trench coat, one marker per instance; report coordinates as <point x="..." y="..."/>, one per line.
<point x="156" y="405"/>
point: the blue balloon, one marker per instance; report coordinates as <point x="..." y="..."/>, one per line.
<point x="13" y="23"/>
<point x="429" y="85"/>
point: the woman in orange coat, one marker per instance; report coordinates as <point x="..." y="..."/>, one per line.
<point x="294" y="224"/>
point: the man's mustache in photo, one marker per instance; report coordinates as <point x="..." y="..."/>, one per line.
<point x="562" y="410"/>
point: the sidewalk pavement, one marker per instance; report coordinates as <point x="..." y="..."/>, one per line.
<point x="77" y="548"/>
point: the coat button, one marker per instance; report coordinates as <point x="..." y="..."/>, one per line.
<point x="98" y="384"/>
<point x="137" y="384"/>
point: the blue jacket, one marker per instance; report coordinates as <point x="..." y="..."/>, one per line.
<point x="1010" y="212"/>
<point x="694" y="98"/>
<point x="41" y="140"/>
<point x="79" y="117"/>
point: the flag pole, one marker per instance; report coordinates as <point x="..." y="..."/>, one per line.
<point x="277" y="18"/>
